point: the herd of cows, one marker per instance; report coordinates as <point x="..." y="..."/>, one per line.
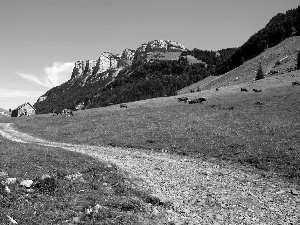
<point x="69" y="112"/>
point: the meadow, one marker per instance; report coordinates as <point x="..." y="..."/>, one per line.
<point x="260" y="130"/>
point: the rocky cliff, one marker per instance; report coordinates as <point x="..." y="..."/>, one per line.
<point x="157" y="49"/>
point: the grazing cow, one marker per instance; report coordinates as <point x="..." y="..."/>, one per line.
<point x="197" y="100"/>
<point x="198" y="89"/>
<point x="259" y="103"/>
<point x="192" y="91"/>
<point x="67" y="112"/>
<point x="123" y="105"/>
<point x="237" y="78"/>
<point x="182" y="99"/>
<point x="243" y="89"/>
<point x="55" y="112"/>
<point x="257" y="90"/>
<point x="295" y="83"/>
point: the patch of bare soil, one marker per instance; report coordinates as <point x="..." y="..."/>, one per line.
<point x="199" y="192"/>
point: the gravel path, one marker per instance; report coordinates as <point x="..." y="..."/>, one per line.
<point x="200" y="192"/>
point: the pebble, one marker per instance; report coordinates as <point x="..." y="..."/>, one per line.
<point x="155" y="211"/>
<point x="26" y="183"/>
<point x="3" y="174"/>
<point x="76" y="219"/>
<point x="11" y="181"/>
<point x="295" y="192"/>
<point x="280" y="192"/>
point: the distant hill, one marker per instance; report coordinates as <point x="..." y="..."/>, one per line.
<point x="280" y="27"/>
<point x="277" y="60"/>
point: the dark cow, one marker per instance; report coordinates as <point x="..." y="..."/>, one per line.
<point x="243" y="89"/>
<point x="123" y="105"/>
<point x="198" y="89"/>
<point x="192" y="91"/>
<point x="295" y="83"/>
<point x="182" y="99"/>
<point x="197" y="100"/>
<point x="257" y="90"/>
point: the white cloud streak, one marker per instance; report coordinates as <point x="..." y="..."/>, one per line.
<point x="52" y="76"/>
<point x="8" y="93"/>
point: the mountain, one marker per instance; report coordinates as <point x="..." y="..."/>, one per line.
<point x="278" y="60"/>
<point x="157" y="68"/>
<point x="279" y="28"/>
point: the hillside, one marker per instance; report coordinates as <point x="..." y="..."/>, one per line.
<point x="277" y="60"/>
<point x="156" y="69"/>
<point x="280" y="27"/>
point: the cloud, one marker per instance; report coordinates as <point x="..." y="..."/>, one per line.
<point x="33" y="78"/>
<point x="8" y="93"/>
<point x="52" y="76"/>
<point x="58" y="73"/>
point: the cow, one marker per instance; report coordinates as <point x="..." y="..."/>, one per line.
<point x="192" y="91"/>
<point x="123" y="105"/>
<point x="197" y="100"/>
<point x="55" y="112"/>
<point x="198" y="89"/>
<point x="67" y="112"/>
<point x="257" y="90"/>
<point x="243" y="89"/>
<point x="182" y="99"/>
<point x="295" y="83"/>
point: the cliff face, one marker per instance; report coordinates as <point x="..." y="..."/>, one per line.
<point x="105" y="62"/>
<point x="98" y="73"/>
<point x="157" y="49"/>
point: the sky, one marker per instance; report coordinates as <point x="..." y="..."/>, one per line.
<point x="41" y="39"/>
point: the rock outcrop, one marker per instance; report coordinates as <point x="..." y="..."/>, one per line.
<point x="105" y="62"/>
<point x="126" y="57"/>
<point x="158" y="49"/>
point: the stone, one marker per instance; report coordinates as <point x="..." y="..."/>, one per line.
<point x="76" y="219"/>
<point x="280" y="192"/>
<point x="295" y="192"/>
<point x="10" y="180"/>
<point x="11" y="220"/>
<point x="3" y="174"/>
<point x="26" y="183"/>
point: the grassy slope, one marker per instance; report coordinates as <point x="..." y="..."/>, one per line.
<point x="268" y="58"/>
<point x="100" y="183"/>
<point x="229" y="126"/>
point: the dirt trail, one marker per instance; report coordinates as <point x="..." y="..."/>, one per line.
<point x="200" y="192"/>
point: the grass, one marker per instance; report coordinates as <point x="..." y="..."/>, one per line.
<point x="229" y="127"/>
<point x="82" y="183"/>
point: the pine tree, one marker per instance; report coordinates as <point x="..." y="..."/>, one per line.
<point x="260" y="73"/>
<point x="298" y="61"/>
